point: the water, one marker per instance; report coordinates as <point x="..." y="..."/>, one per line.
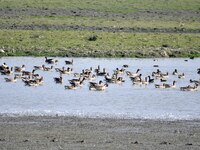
<point x="118" y="101"/>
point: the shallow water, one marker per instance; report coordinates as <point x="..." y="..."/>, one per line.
<point x="123" y="101"/>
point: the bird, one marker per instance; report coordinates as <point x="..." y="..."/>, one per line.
<point x="11" y="79"/>
<point x="150" y="80"/>
<point x="98" y="86"/>
<point x="132" y="74"/>
<point x="67" y="62"/>
<point x="189" y="88"/>
<point x="71" y="87"/>
<point x="19" y="69"/>
<point x="58" y="79"/>
<point x="170" y="85"/>
<point x="50" y="61"/>
<point x="181" y="76"/>
<point x="161" y="86"/>
<point x="175" y="72"/>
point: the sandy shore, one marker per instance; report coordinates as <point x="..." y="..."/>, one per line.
<point x="57" y="133"/>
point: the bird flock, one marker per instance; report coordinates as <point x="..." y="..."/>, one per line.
<point x="31" y="78"/>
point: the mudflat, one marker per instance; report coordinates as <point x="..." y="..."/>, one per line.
<point x="61" y="132"/>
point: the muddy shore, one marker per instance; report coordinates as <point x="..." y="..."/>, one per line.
<point x="45" y="132"/>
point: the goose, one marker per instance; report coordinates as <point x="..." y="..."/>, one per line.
<point x="7" y="71"/>
<point x="136" y="78"/>
<point x="50" y="61"/>
<point x="118" y="80"/>
<point x="67" y="71"/>
<point x="39" y="67"/>
<point x="125" y="66"/>
<point x="98" y="73"/>
<point x="156" y="74"/>
<point x="98" y="86"/>
<point x="161" y="76"/>
<point x="161" y="86"/>
<point x="58" y="79"/>
<point x="195" y="81"/>
<point x="71" y="87"/>
<point x="189" y="88"/>
<point x="80" y="83"/>
<point x="163" y="80"/>
<point x="108" y="78"/>
<point x="47" y="68"/>
<point x="132" y="74"/>
<point x="4" y="66"/>
<point x="170" y="85"/>
<point x="175" y="72"/>
<point x="28" y="73"/>
<point x="155" y="66"/>
<point x="40" y="80"/>
<point x="77" y="82"/>
<point x="97" y="69"/>
<point x="119" y="71"/>
<point x="181" y="76"/>
<point x="150" y="80"/>
<point x="139" y="81"/>
<point x="19" y="69"/>
<point x="164" y="75"/>
<point x="11" y="79"/>
<point x="89" y="76"/>
<point x="67" y="62"/>
<point x="31" y="83"/>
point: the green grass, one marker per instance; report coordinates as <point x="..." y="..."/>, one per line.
<point x="105" y="5"/>
<point x="108" y="44"/>
<point x="75" y="43"/>
<point x="103" y="22"/>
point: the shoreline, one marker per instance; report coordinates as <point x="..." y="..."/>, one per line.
<point x="62" y="132"/>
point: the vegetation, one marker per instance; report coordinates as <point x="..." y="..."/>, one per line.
<point x="100" y="28"/>
<point x="78" y="43"/>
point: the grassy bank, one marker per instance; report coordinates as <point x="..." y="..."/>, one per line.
<point x="93" y="28"/>
<point x="98" y="44"/>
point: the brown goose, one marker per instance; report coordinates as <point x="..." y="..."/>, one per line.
<point x="19" y="69"/>
<point x="98" y="86"/>
<point x="170" y="85"/>
<point x="77" y="82"/>
<point x="47" y="68"/>
<point x="189" y="88"/>
<point x="28" y="73"/>
<point x="132" y="74"/>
